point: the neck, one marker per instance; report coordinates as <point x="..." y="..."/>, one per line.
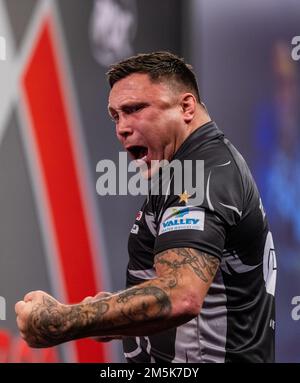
<point x="201" y="118"/>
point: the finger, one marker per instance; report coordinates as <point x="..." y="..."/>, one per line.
<point x="35" y="294"/>
<point x="30" y="296"/>
<point x="19" y="307"/>
<point x="87" y="299"/>
<point x="21" y="325"/>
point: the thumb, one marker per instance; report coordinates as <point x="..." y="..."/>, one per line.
<point x="19" y="306"/>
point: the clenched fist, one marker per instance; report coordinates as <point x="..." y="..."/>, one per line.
<point x="45" y="322"/>
<point x="42" y="320"/>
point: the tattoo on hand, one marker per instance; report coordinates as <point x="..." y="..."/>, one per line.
<point x="45" y="322"/>
<point x="51" y="323"/>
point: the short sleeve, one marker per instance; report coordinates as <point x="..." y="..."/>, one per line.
<point x="203" y="227"/>
<point x="193" y="227"/>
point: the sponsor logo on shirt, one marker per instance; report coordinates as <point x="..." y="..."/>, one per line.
<point x="182" y="218"/>
<point x="135" y="229"/>
<point x="139" y="216"/>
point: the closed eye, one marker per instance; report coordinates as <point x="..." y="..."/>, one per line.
<point x="114" y="117"/>
<point x="129" y="109"/>
<point x="126" y="109"/>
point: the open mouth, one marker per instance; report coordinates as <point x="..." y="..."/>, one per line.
<point x="138" y="152"/>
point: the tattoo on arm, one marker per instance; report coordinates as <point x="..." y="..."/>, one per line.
<point x="202" y="264"/>
<point x="52" y="323"/>
<point x="135" y="306"/>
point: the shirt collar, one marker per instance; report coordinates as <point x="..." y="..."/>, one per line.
<point x="205" y="132"/>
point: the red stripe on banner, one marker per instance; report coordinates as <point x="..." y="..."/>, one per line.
<point x="46" y="103"/>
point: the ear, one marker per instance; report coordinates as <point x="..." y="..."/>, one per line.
<point x="188" y="104"/>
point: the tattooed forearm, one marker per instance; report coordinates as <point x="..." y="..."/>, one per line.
<point x="202" y="264"/>
<point x="53" y="323"/>
<point x="136" y="307"/>
<point x="172" y="298"/>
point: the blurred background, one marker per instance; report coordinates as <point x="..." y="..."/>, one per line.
<point x="56" y="233"/>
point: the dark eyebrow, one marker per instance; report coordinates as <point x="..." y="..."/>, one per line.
<point x="128" y="106"/>
<point x="131" y="105"/>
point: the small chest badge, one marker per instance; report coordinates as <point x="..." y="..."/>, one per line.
<point x="135" y="229"/>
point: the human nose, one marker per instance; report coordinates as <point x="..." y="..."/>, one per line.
<point x="123" y="127"/>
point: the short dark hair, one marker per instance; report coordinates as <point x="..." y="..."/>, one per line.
<point x="159" y="66"/>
